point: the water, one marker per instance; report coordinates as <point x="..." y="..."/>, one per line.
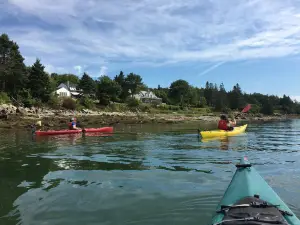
<point x="143" y="174"/>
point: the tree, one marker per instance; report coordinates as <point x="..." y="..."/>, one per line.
<point x="267" y="108"/>
<point x="222" y="101"/>
<point x="236" y="99"/>
<point x="13" y="76"/>
<point x="133" y="84"/>
<point x="208" y="93"/>
<point x="120" y="79"/>
<point x="202" y="102"/>
<point x="39" y="82"/>
<point x="178" y="92"/>
<point x="163" y="94"/>
<point x="193" y="96"/>
<point x="107" y="90"/>
<point x="64" y="78"/>
<point x="211" y="93"/>
<point x="87" y="84"/>
<point x="286" y="104"/>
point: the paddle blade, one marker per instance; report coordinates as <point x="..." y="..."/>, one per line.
<point x="246" y="109"/>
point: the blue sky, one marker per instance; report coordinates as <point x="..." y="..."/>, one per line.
<point x="253" y="42"/>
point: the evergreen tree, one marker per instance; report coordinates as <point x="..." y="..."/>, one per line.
<point x="87" y="84"/>
<point x="120" y="79"/>
<point x="13" y="76"/>
<point x="267" y="108"/>
<point x="39" y="82"/>
<point x="208" y="93"/>
<point x="222" y="101"/>
<point x="236" y="99"/>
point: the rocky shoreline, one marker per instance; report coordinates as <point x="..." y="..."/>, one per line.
<point x="19" y="117"/>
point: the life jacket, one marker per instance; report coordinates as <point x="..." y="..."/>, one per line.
<point x="222" y="125"/>
<point x="70" y="125"/>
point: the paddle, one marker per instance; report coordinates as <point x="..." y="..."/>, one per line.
<point x="246" y="109"/>
<point x="113" y="123"/>
<point x="83" y="128"/>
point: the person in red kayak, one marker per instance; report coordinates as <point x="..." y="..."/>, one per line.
<point x="72" y="124"/>
<point x="225" y="124"/>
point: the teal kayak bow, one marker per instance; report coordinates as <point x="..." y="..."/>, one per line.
<point x="250" y="200"/>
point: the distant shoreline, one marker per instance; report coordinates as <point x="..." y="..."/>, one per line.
<point x="58" y="119"/>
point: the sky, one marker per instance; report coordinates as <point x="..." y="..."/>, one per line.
<point x="255" y="43"/>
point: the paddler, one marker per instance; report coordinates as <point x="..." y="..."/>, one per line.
<point x="72" y="124"/>
<point x="225" y="124"/>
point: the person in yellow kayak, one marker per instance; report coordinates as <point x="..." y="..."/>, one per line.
<point x="225" y="124"/>
<point x="72" y="124"/>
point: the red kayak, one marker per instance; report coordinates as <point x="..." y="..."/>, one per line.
<point x="86" y="130"/>
<point x="99" y="130"/>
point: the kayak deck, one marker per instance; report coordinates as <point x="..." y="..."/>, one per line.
<point x="247" y="182"/>
<point x="223" y="133"/>
<point x="85" y="130"/>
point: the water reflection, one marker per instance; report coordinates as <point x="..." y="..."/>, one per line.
<point x="224" y="142"/>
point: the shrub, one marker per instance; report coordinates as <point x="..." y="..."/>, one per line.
<point x="169" y="107"/>
<point x="69" y="103"/>
<point x="174" y="107"/>
<point x="87" y="102"/>
<point x="145" y="107"/>
<point x="4" y="98"/>
<point x="132" y="102"/>
<point x="117" y="107"/>
<point x="25" y="98"/>
<point x="54" y="102"/>
<point x="255" y="108"/>
<point x="226" y="110"/>
<point x="28" y="103"/>
<point x="79" y="107"/>
<point x="37" y="103"/>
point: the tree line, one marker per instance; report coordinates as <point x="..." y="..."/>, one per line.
<point x="183" y="94"/>
<point x="33" y="85"/>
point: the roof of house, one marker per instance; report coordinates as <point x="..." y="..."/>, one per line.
<point x="146" y="94"/>
<point x="69" y="86"/>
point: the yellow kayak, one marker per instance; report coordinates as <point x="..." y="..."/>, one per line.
<point x="223" y="133"/>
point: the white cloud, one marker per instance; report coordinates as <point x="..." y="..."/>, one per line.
<point x="52" y="69"/>
<point x="78" y="69"/>
<point x="103" y="70"/>
<point x="49" y="68"/>
<point x="157" y="31"/>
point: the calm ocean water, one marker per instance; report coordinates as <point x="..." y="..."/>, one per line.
<point x="143" y="174"/>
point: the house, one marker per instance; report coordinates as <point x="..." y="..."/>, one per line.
<point x="68" y="90"/>
<point x="148" y="97"/>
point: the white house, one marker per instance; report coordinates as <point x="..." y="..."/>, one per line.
<point x="68" y="90"/>
<point x="147" y="97"/>
<point x="63" y="92"/>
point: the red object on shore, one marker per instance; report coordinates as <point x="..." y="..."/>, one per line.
<point x="246" y="109"/>
<point x="87" y="130"/>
